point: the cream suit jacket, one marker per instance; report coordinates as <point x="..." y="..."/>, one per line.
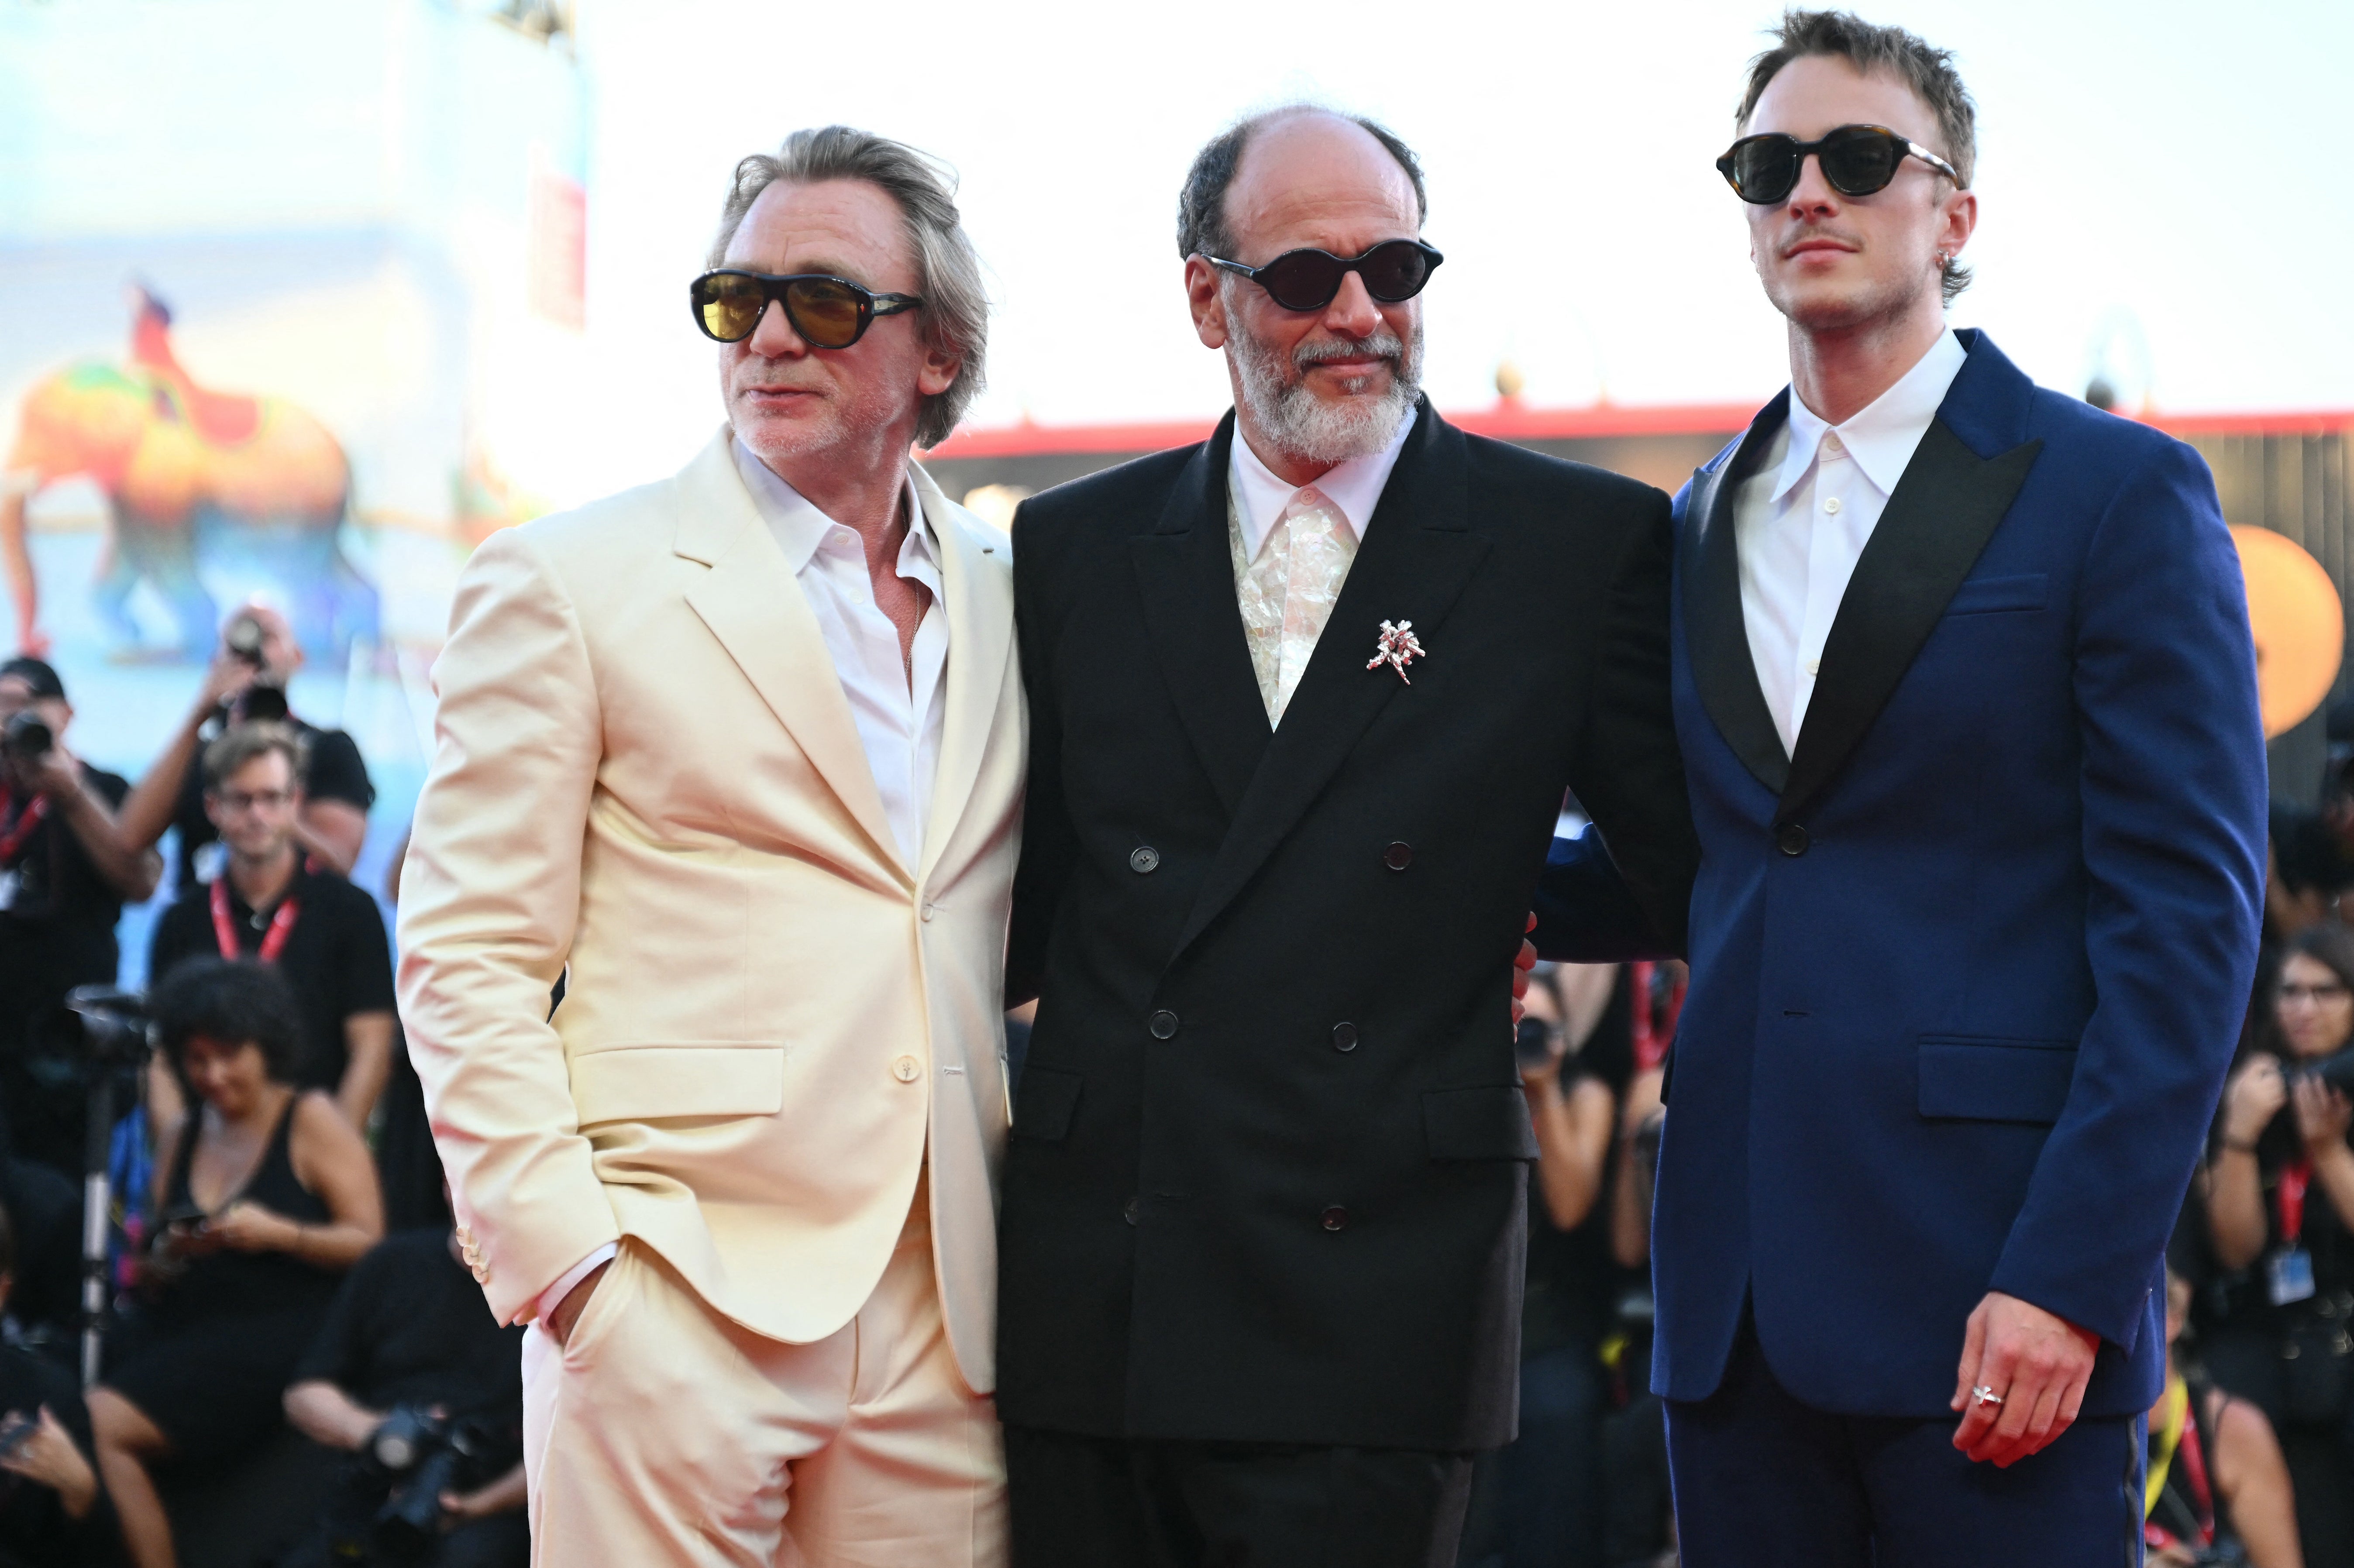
<point x="645" y="769"/>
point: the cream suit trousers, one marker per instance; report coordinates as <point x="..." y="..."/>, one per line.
<point x="662" y="1435"/>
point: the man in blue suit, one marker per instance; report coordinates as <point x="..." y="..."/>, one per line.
<point x="1966" y="699"/>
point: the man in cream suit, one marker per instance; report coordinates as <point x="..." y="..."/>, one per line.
<point x="740" y="757"/>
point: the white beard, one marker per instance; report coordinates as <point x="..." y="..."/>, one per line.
<point x="1315" y="429"/>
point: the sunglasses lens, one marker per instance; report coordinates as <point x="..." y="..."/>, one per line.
<point x="1765" y="167"/>
<point x="1859" y="162"/>
<point x="825" y="312"/>
<point x="728" y="307"/>
<point x="1395" y="271"/>
<point x="1302" y="280"/>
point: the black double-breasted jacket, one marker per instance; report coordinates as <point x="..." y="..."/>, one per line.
<point x="1267" y="1173"/>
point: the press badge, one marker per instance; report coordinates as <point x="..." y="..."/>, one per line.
<point x="2288" y="1276"/>
<point x="9" y="882"/>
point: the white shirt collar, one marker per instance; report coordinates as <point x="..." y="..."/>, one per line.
<point x="1355" y="487"/>
<point x="1882" y="435"/>
<point x="799" y="528"/>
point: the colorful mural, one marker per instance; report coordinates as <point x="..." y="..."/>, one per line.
<point x="192" y="476"/>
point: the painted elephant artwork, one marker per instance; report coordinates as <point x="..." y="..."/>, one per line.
<point x="193" y="476"/>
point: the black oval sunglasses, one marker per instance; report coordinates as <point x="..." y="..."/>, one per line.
<point x="1310" y="280"/>
<point x="1857" y="160"/>
<point x="826" y="310"/>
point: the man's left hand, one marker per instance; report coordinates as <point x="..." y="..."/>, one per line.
<point x="56" y="775"/>
<point x="2037" y="1363"/>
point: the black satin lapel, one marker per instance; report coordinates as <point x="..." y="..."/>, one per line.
<point x="1416" y="557"/>
<point x="1186" y="575"/>
<point x="1722" y="667"/>
<point x="1944" y="509"/>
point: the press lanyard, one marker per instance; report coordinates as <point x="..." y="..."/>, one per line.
<point x="12" y="843"/>
<point x="2166" y="1439"/>
<point x="2295" y="1177"/>
<point x="273" y="941"/>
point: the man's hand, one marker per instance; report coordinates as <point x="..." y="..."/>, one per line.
<point x="225" y="679"/>
<point x="55" y="774"/>
<point x="50" y="1459"/>
<point x="1522" y="962"/>
<point x="2036" y="1362"/>
<point x="576" y="1301"/>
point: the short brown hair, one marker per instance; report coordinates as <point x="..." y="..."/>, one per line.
<point x="241" y="743"/>
<point x="1927" y="71"/>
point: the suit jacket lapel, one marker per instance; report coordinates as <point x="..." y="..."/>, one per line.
<point x="1722" y="666"/>
<point x="1945" y="509"/>
<point x="979" y="608"/>
<point x="1417" y="554"/>
<point x="752" y="604"/>
<point x="1186" y="575"/>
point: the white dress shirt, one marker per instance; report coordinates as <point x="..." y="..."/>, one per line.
<point x="1800" y="523"/>
<point x="898" y="710"/>
<point x="1354" y="487"/>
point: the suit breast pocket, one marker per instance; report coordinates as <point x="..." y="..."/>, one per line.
<point x="1997" y="596"/>
<point x="1995" y="1078"/>
<point x="650" y="1083"/>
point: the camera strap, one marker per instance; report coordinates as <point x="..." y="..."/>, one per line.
<point x="273" y="941"/>
<point x="12" y="842"/>
<point x="2288" y="1198"/>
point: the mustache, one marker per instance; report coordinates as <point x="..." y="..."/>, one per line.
<point x="1382" y="344"/>
<point x="1815" y="231"/>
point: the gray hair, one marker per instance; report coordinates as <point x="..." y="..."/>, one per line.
<point x="1202" y="228"/>
<point x="1912" y="59"/>
<point x="955" y="317"/>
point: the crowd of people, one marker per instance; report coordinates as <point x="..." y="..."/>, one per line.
<point x="298" y="1369"/>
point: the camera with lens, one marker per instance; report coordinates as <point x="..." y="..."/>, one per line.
<point x="2333" y="1072"/>
<point x="244" y="639"/>
<point x="394" y="1489"/>
<point x="114" y="1028"/>
<point x="26" y="737"/>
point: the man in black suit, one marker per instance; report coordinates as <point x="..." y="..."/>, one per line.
<point x="1304" y="699"/>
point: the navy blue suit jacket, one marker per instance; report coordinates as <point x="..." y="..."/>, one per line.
<point x="1968" y="968"/>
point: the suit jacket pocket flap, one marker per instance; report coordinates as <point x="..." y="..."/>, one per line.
<point x="1986" y="1078"/>
<point x="1485" y="1123"/>
<point x="645" y="1083"/>
<point x="1043" y="1103"/>
<point x="1983" y="596"/>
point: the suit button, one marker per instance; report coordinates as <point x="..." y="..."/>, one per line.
<point x="930" y="909"/>
<point x="1336" y="1218"/>
<point x="1399" y="856"/>
<point x="1129" y="1212"/>
<point x="1164" y="1024"/>
<point x="1144" y="860"/>
<point x="906" y="1069"/>
<point x="1345" y="1037"/>
<point x="1791" y="839"/>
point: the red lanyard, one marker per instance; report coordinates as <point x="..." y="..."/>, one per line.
<point x="273" y="941"/>
<point x="12" y="843"/>
<point x="2295" y="1177"/>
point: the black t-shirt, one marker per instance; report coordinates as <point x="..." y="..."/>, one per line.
<point x="336" y="772"/>
<point x="57" y="922"/>
<point x="410" y="1327"/>
<point x="1572" y="1285"/>
<point x="335" y="958"/>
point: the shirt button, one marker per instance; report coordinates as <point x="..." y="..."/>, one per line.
<point x="1831" y="505"/>
<point x="1164" y="1024"/>
<point x="1336" y="1218"/>
<point x="1832" y="447"/>
<point x="906" y="1069"/>
<point x="1345" y="1037"/>
<point x="1129" y="1211"/>
<point x="1144" y="860"/>
<point x="1791" y="840"/>
<point x="1399" y="856"/>
<point x="1814" y="667"/>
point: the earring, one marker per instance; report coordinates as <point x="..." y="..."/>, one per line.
<point x="1942" y="259"/>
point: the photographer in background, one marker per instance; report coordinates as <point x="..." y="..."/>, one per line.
<point x="2280" y="1216"/>
<point x="65" y="870"/>
<point x="410" y="1335"/>
<point x="1537" y="1503"/>
<point x="246" y="683"/>
<point x="2217" y="1485"/>
<point x="53" y="1513"/>
<point x="265" y="1195"/>
<point x="272" y="903"/>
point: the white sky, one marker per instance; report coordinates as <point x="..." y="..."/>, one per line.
<point x="2167" y="174"/>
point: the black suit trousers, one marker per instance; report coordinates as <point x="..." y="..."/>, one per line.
<point x="1101" y="1503"/>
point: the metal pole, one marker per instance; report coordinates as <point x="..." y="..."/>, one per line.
<point x="97" y="1205"/>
